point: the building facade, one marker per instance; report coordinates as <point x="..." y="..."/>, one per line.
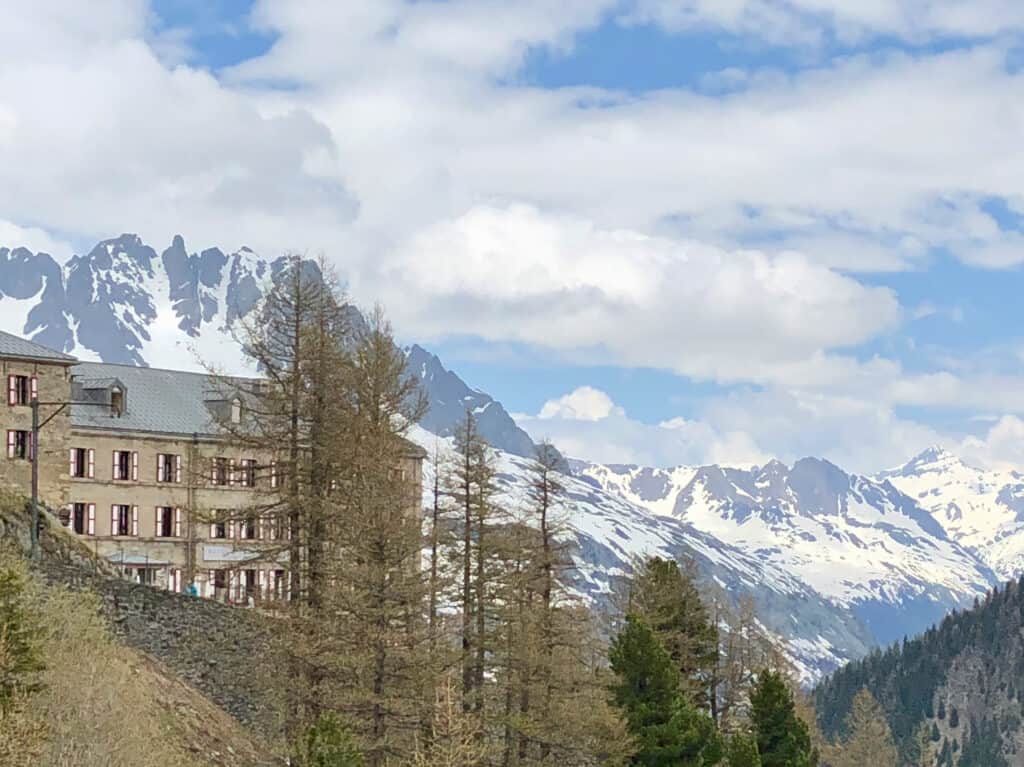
<point x="149" y="480"/>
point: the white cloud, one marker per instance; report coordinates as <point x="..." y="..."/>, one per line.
<point x="791" y="22"/>
<point x="1002" y="447"/>
<point x="583" y="404"/>
<point x="557" y="281"/>
<point x="601" y="225"/>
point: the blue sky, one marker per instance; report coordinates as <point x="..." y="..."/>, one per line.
<point x="663" y="231"/>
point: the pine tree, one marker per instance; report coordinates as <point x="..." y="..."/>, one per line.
<point x="669" y="601"/>
<point x="328" y="743"/>
<point x="741" y="751"/>
<point x="667" y="728"/>
<point x="783" y="739"/>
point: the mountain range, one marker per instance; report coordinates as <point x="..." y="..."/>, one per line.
<point x="836" y="563"/>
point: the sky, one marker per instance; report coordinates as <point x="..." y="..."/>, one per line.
<point x="658" y="231"/>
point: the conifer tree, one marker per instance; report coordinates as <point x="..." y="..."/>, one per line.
<point x="667" y="728"/>
<point x="669" y="601"/>
<point x="869" y="740"/>
<point x="783" y="739"/>
<point x="741" y="751"/>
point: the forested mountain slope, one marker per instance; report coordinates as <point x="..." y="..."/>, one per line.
<point x="952" y="695"/>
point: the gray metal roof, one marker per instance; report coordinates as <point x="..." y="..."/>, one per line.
<point x="164" y="401"/>
<point x="15" y="346"/>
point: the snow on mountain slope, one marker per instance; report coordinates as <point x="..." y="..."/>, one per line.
<point x="608" y="532"/>
<point x="981" y="510"/>
<point x="859" y="542"/>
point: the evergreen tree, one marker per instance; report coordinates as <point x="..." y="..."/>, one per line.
<point x="783" y="739"/>
<point x="668" y="600"/>
<point x="741" y="751"/>
<point x="329" y="744"/>
<point x="668" y="730"/>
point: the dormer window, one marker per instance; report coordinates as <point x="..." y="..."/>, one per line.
<point x="236" y="410"/>
<point x="116" y="401"/>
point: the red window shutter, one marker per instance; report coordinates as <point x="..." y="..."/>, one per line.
<point x="135" y="466"/>
<point x="92" y="463"/>
<point x="177" y="521"/>
<point x="135" y="520"/>
<point x="72" y="462"/>
<point x="12" y="390"/>
<point x="91" y="522"/>
<point x="177" y="468"/>
<point x="33" y="387"/>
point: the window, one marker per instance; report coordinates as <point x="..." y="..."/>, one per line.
<point x="146" y="575"/>
<point x="250" y="583"/>
<point x="236" y="411"/>
<point x="220" y="527"/>
<point x="125" y="465"/>
<point x="116" y="402"/>
<point x="221" y="471"/>
<point x="124" y="520"/>
<point x="247" y="477"/>
<point x="83" y="518"/>
<point x="278" y="583"/>
<point x="82" y="462"/>
<point x="168" y="522"/>
<point x="248" y="528"/>
<point x="21" y="390"/>
<point x="168" y="467"/>
<point x="19" y="444"/>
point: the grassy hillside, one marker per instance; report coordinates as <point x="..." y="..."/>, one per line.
<point x="94" y="701"/>
<point x="952" y="696"/>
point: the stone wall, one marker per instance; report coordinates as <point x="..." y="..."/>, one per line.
<point x="224" y="652"/>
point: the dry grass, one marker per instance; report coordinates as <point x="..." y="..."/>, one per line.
<point x="105" y="704"/>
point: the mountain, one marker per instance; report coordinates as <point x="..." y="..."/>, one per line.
<point x="856" y="541"/>
<point x="125" y="302"/>
<point x="960" y="684"/>
<point x="981" y="510"/>
<point x="450" y="398"/>
<point x="607" y="532"/>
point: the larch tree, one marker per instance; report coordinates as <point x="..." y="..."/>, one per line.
<point x="377" y="643"/>
<point x="869" y="740"/>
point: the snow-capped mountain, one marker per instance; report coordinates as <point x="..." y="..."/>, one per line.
<point x="125" y="302"/>
<point x="856" y="541"/>
<point x="608" y="532"/>
<point x="981" y="510"/>
<point x="834" y="562"/>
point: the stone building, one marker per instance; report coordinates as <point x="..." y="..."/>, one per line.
<point x="151" y="483"/>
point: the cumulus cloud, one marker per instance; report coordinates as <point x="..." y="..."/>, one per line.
<point x="1001" y="447"/>
<point x="583" y="404"/>
<point x="601" y="225"/>
<point x="558" y="281"/>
